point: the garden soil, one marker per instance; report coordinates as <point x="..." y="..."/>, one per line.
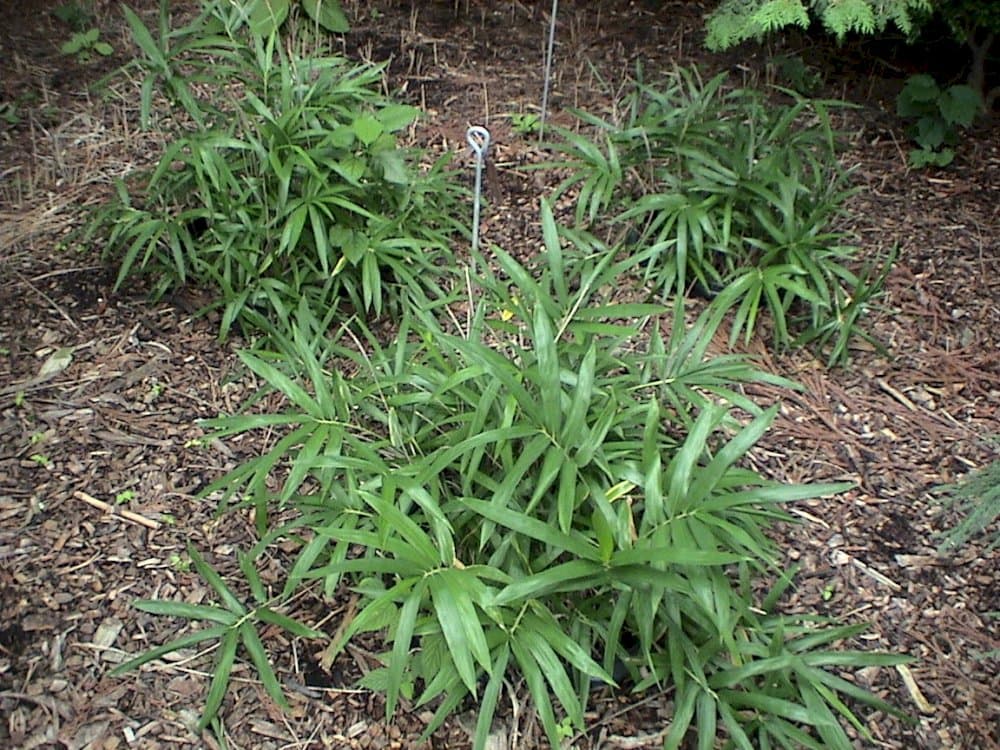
<point x="101" y="456"/>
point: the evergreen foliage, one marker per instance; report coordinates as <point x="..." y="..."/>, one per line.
<point x="977" y="497"/>
<point x="736" y="21"/>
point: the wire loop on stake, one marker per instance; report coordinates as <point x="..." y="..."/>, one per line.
<point x="478" y="139"/>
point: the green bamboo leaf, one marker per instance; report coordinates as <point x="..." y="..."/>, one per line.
<point x="459" y="623"/>
<point x="252" y="576"/>
<point x="553" y="251"/>
<point x="266" y="16"/>
<point x="270" y="616"/>
<point x="186" y="641"/>
<point x="710" y="476"/>
<point x="220" y="680"/>
<point x="319" y="436"/>
<point x="829" y="697"/>
<point x="543" y="532"/>
<point x="604" y="534"/>
<point x="554" y="671"/>
<point x="576" y="575"/>
<point x="465" y="588"/>
<point x="491" y="696"/>
<point x="403" y="637"/>
<point x="281" y="382"/>
<point x="743" y="674"/>
<point x="674" y="555"/>
<point x="514" y="475"/>
<point x="734" y="727"/>
<point x="766" y="703"/>
<point x="707" y="721"/>
<point x="549" y="382"/>
<point x="680" y="722"/>
<point x="545" y="476"/>
<point x="443" y="533"/>
<point x="239" y="423"/>
<point x="566" y="499"/>
<point x="187" y="611"/>
<point x="573" y="428"/>
<point x="833" y="682"/>
<point x="215" y="581"/>
<point x="366" y="566"/>
<point x="682" y="467"/>
<point x="418" y="543"/>
<point x="542" y="622"/>
<point x="251" y="642"/>
<point x="823" y="720"/>
<point x="536" y="686"/>
<point x="145" y="40"/>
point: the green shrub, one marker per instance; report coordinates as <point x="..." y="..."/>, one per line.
<point x="287" y="183"/>
<point x="534" y="495"/>
<point x="731" y="193"/>
<point x="938" y="114"/>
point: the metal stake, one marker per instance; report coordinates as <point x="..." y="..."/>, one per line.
<point x="548" y="68"/>
<point x="479" y="141"/>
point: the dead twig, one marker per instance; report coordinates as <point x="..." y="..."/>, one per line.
<point x="128" y="515"/>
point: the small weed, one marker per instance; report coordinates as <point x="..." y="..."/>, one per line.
<point x="84" y="43"/>
<point x="525" y="123"/>
<point x="41" y="459"/>
<point x="9" y="115"/>
<point x="123" y="497"/>
<point x="154" y="393"/>
<point x="939" y="116"/>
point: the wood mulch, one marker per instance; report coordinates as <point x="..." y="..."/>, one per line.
<point x="102" y="458"/>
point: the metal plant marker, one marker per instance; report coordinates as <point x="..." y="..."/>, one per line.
<point x="479" y="141"/>
<point x="548" y="69"/>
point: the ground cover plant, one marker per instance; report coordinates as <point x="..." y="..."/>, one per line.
<point x="732" y="195"/>
<point x="937" y="115"/>
<point x="282" y="179"/>
<point x="536" y="494"/>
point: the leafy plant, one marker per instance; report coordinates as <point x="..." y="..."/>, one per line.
<point x="532" y="494"/>
<point x="724" y="193"/>
<point x="232" y="625"/>
<point x="833" y="334"/>
<point x="525" y="123"/>
<point x="978" y="498"/>
<point x="290" y="183"/>
<point x="83" y="43"/>
<point x="265" y="17"/>
<point x="939" y="113"/>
